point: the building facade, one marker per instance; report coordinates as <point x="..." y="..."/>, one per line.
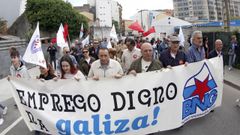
<point x="103" y="12"/>
<point x="106" y="11"/>
<point x="204" y="10"/>
<point x="115" y="11"/>
<point x="151" y="15"/>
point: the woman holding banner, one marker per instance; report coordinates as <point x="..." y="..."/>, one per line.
<point x="46" y="73"/>
<point x="68" y="70"/>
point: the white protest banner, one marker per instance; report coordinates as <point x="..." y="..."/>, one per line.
<point x="150" y="102"/>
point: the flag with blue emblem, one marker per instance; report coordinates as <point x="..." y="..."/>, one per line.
<point x="33" y="53"/>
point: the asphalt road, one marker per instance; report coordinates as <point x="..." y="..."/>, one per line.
<point x="225" y="120"/>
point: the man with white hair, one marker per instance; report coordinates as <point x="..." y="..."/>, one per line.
<point x="196" y="52"/>
<point x="218" y="49"/>
<point x="145" y="63"/>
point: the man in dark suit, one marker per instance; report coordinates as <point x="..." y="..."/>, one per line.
<point x="218" y="49"/>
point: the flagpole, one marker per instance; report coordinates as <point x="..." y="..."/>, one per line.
<point x="69" y="41"/>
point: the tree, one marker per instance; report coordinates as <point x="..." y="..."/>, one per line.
<point x="51" y="13"/>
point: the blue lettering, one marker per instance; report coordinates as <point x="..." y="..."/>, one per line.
<point x="107" y="125"/>
<point x="104" y="125"/>
<point x="198" y="103"/>
<point x="213" y="97"/>
<point x="81" y="125"/>
<point x="121" y="126"/>
<point x="64" y="127"/>
<point x="143" y="122"/>
<point x="187" y="108"/>
<point x="190" y="105"/>
<point x="96" y="125"/>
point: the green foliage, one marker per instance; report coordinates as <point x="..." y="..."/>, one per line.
<point x="116" y="26"/>
<point x="51" y="13"/>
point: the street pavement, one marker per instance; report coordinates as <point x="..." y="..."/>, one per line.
<point x="225" y="120"/>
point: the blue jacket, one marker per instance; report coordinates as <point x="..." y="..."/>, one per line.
<point x="196" y="54"/>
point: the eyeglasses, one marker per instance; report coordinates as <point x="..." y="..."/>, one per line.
<point x="175" y="42"/>
<point x="85" y="51"/>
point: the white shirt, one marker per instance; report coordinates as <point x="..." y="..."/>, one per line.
<point x="88" y="60"/>
<point x="173" y="55"/>
<point x="110" y="70"/>
<point x="128" y="57"/>
<point x="78" y="75"/>
<point x="145" y="65"/>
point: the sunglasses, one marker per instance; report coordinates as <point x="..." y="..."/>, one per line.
<point x="175" y="42"/>
<point x="85" y="51"/>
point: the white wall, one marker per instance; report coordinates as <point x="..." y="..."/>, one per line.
<point x="103" y="32"/>
<point x="103" y="12"/>
<point x="143" y="18"/>
<point x="10" y="11"/>
<point x="115" y="11"/>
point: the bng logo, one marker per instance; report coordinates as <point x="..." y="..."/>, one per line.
<point x="199" y="93"/>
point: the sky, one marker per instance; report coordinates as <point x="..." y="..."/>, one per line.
<point x="130" y="7"/>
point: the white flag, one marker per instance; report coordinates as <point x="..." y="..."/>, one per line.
<point x="34" y="53"/>
<point x="85" y="41"/>
<point x="181" y="37"/>
<point x="109" y="45"/>
<point x="113" y="34"/>
<point x="81" y="32"/>
<point x="60" y="38"/>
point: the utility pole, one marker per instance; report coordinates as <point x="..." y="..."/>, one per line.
<point x="227" y="15"/>
<point x="141" y="19"/>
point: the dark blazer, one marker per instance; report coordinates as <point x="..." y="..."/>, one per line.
<point x="168" y="60"/>
<point x="84" y="66"/>
<point x="213" y="54"/>
<point x="137" y="65"/>
<point x="94" y="52"/>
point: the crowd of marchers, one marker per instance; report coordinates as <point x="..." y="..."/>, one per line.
<point x="129" y="56"/>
